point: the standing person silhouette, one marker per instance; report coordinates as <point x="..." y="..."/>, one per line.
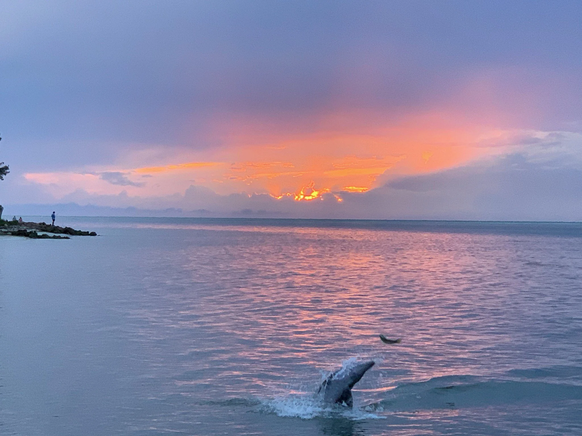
<point x="53" y="216"/>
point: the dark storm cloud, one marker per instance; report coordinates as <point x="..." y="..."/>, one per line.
<point x="80" y="78"/>
<point x="512" y="187"/>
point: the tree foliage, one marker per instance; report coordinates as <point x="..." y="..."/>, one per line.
<point x="3" y="170"/>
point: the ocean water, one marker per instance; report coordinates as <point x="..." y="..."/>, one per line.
<point x="227" y="327"/>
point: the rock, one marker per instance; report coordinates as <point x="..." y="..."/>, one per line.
<point x="31" y="230"/>
<point x="34" y="235"/>
<point x="43" y="227"/>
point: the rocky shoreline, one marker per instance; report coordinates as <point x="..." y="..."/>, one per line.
<point x="39" y="230"/>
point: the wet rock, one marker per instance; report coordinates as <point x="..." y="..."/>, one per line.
<point x="34" y="235"/>
<point x="43" y="227"/>
<point x="40" y="230"/>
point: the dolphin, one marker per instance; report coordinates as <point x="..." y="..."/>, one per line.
<point x="337" y="387"/>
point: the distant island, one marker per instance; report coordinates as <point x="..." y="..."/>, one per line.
<point x="39" y="230"/>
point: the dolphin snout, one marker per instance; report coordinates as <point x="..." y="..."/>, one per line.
<point x="363" y="367"/>
<point x="359" y="370"/>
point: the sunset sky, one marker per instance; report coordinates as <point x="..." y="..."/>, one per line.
<point x="335" y="109"/>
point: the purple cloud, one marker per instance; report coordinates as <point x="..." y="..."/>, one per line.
<point x="118" y="178"/>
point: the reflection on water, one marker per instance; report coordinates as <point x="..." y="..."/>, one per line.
<point x="158" y="328"/>
<point x="341" y="427"/>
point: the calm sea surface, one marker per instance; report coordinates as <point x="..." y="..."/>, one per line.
<point x="227" y="327"/>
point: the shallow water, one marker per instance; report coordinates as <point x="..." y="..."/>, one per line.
<point x="227" y="327"/>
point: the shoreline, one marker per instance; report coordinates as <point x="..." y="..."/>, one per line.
<point x="47" y="231"/>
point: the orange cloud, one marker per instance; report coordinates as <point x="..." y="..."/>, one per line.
<point x="335" y="158"/>
<point x="182" y="166"/>
<point x="355" y="189"/>
<point x="309" y="193"/>
<point x="342" y="152"/>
